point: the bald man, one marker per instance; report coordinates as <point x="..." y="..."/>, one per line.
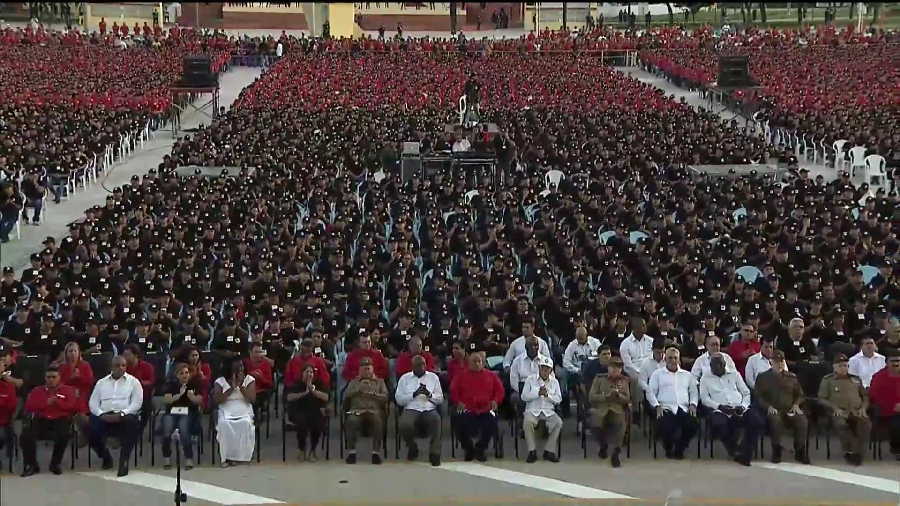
<point x="419" y="393"/>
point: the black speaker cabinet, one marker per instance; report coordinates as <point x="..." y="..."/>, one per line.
<point x="734" y="71"/>
<point x="197" y="71"/>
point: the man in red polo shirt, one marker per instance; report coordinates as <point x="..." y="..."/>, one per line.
<point x="7" y="404"/>
<point x="745" y="347"/>
<point x="295" y="366"/>
<point x="351" y="367"/>
<point x="404" y="360"/>
<point x="49" y="411"/>
<point x="476" y="393"/>
<point x="145" y="373"/>
<point x="260" y="367"/>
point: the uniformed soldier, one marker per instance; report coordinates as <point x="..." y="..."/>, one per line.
<point x="844" y="395"/>
<point x="610" y="399"/>
<point x="778" y="395"/>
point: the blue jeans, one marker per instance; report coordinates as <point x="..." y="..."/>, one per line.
<point x="6" y="226"/>
<point x="37" y="204"/>
<point x="183" y="423"/>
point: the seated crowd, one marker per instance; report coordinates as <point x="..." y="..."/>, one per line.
<point x="630" y="286"/>
<point x="827" y="85"/>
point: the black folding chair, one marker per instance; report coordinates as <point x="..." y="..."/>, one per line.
<point x="99" y="363"/>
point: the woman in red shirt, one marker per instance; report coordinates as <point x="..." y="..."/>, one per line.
<point x="78" y="374"/>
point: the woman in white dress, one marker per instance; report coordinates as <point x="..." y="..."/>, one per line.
<point x="234" y="393"/>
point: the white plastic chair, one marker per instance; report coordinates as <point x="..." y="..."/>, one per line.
<point x="606" y="236"/>
<point x="553" y="178"/>
<point x="839" y="154"/>
<point x="875" y="169"/>
<point x="471" y="194"/>
<point x="379" y="176"/>
<point x="857" y="159"/>
<point x="636" y="235"/>
<point x="749" y="273"/>
<point x="739" y="213"/>
<point x="462" y="109"/>
<point x="868" y="272"/>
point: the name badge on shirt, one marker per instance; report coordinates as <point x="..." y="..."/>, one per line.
<point x="317" y="350"/>
<point x="92" y="340"/>
<point x="142" y="339"/>
<point x="427" y="348"/>
<point x="802" y="349"/>
<point x="179" y="410"/>
<point x="230" y="339"/>
<point x="861" y="316"/>
<point x="44" y="337"/>
<point x="840" y="332"/>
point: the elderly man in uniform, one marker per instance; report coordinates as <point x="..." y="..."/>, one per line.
<point x="541" y="394"/>
<point x="845" y="396"/>
<point x="610" y="399"/>
<point x="673" y="394"/>
<point x="778" y="396"/>
<point x="724" y="393"/>
<point x="366" y="401"/>
<point x="419" y="393"/>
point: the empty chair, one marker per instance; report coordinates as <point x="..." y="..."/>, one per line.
<point x="739" y="213"/>
<point x="839" y="154"/>
<point x="749" y="273"/>
<point x="857" y="158"/>
<point x="875" y="169"/>
<point x="637" y="235"/>
<point x="868" y="272"/>
<point x="553" y="178"/>
<point x="379" y="176"/>
<point x="471" y="194"/>
<point x="606" y="236"/>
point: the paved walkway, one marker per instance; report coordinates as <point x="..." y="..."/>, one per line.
<point x="57" y="216"/>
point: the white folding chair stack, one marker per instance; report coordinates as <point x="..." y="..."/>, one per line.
<point x="840" y="157"/>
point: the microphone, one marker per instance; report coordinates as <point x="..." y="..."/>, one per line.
<point x="176" y="436"/>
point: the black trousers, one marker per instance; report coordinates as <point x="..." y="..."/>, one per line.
<point x="676" y="430"/>
<point x="127" y="430"/>
<point x="309" y="425"/>
<point x="59" y="431"/>
<point x="470" y="425"/>
<point x="894" y="430"/>
<point x="728" y="428"/>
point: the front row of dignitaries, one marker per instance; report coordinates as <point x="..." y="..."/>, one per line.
<point x="114" y="407"/>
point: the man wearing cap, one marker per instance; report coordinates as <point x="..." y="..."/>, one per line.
<point x="867" y="362"/>
<point x="724" y="393"/>
<point x="778" y="395"/>
<point x="844" y="395"/>
<point x="541" y="394"/>
<point x="885" y="394"/>
<point x="673" y="394"/>
<point x="365" y="401"/>
<point x="610" y="399"/>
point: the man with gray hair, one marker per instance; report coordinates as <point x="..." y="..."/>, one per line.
<point x="797" y="347"/>
<point x="419" y="393"/>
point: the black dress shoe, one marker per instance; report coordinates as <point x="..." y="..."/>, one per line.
<point x="614" y="460"/>
<point x="532" y="457"/>
<point x="55" y="469"/>
<point x="30" y="470"/>
<point x="376" y="459"/>
<point x="802" y="456"/>
<point x="351" y="458"/>
<point x="603" y="453"/>
<point x="550" y="456"/>
<point x="412" y="453"/>
<point x="469" y="455"/>
<point x="107" y="461"/>
<point x="678" y="454"/>
<point x="776" y="454"/>
<point x="480" y="456"/>
<point x="123" y="469"/>
<point x="435" y="460"/>
<point x="742" y="459"/>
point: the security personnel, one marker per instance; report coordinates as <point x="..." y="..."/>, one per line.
<point x="610" y="399"/>
<point x="844" y="395"/>
<point x="778" y="395"/>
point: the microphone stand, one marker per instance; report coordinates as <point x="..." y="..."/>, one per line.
<point x="180" y="496"/>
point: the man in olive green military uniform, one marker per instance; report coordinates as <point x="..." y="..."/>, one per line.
<point x="845" y="396"/>
<point x="610" y="399"/>
<point x="778" y="395"/>
<point x="366" y="402"/>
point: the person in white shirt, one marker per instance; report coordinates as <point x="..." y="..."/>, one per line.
<point x="867" y="362"/>
<point x="279" y="50"/>
<point x="462" y="144"/>
<point x="115" y="404"/>
<point x="577" y="353"/>
<point x="419" y="393"/>
<point x="759" y="363"/>
<point x="672" y="392"/>
<point x="652" y="363"/>
<point x="234" y="393"/>
<point x="713" y="348"/>
<point x="541" y="394"/>
<point x="524" y="366"/>
<point x="724" y="393"/>
<point x="517" y="347"/>
<point x="633" y="350"/>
